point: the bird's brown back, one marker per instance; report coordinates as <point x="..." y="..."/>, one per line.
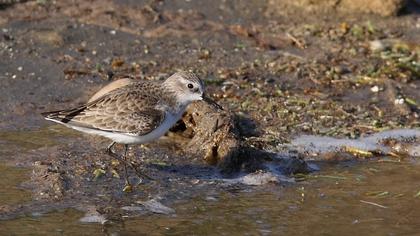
<point x="130" y="109"/>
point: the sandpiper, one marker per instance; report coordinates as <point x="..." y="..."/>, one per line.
<point x="137" y="113"/>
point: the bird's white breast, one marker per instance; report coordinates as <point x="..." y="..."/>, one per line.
<point x="125" y="138"/>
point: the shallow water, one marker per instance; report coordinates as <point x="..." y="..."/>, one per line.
<point x="10" y="192"/>
<point x="378" y="197"/>
<point x="329" y="203"/>
<point x="55" y="223"/>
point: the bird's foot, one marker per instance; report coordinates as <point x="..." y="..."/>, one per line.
<point x="135" y="167"/>
<point x="128" y="188"/>
<point x="111" y="153"/>
<point x="138" y="172"/>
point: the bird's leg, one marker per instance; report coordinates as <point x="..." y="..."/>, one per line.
<point x="109" y="150"/>
<point x="139" y="173"/>
<point x="128" y="186"/>
<point x="123" y="159"/>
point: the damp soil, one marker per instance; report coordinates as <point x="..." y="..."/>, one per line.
<point x="287" y="79"/>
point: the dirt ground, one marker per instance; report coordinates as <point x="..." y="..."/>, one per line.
<point x="280" y="71"/>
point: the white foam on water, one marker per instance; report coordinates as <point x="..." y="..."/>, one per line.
<point x="321" y="144"/>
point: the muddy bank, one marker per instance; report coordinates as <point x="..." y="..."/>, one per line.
<point x="383" y="8"/>
<point x="279" y="74"/>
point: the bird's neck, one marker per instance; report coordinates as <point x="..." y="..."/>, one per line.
<point x="174" y="101"/>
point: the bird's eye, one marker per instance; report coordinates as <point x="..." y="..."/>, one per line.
<point x="190" y="86"/>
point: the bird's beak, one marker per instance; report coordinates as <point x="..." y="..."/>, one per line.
<point x="211" y="102"/>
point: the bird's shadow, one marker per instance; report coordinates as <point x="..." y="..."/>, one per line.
<point x="411" y="8"/>
<point x="197" y="171"/>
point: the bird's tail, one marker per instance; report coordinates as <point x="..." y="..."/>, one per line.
<point x="63" y="116"/>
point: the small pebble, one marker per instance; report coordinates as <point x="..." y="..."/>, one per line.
<point x="213" y="199"/>
<point x="399" y="101"/>
<point x="374" y="89"/>
<point x="376" y="45"/>
<point x="113" y="32"/>
<point x="157" y="207"/>
<point x="93" y="218"/>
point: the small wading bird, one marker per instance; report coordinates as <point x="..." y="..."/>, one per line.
<point x="137" y="113"/>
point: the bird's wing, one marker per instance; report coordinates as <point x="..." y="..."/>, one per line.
<point x="123" y="111"/>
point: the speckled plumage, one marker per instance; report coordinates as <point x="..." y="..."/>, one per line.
<point x="135" y="110"/>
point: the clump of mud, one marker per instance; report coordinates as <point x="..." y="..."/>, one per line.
<point x="380" y="7"/>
